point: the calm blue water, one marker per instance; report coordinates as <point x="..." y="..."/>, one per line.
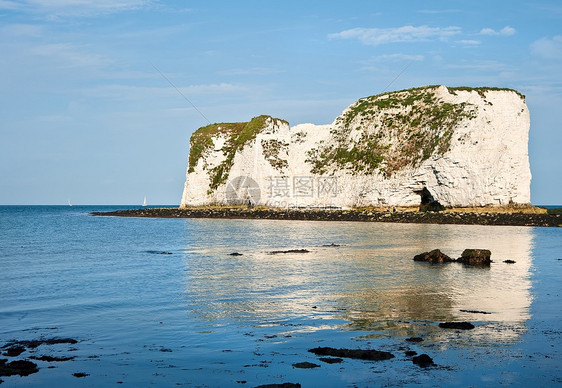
<point x="200" y="317"/>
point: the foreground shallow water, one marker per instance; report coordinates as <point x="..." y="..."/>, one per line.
<point x="161" y="302"/>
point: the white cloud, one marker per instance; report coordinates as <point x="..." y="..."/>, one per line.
<point x="9" y="5"/>
<point x="469" y="42"/>
<point x="548" y="48"/>
<point x="127" y="92"/>
<point x="58" y="8"/>
<point x="21" y="30"/>
<point x="55" y="118"/>
<point x="397" y="57"/>
<point x="506" y="31"/>
<point x="490" y="65"/>
<point x="377" y="36"/>
<point x="67" y="55"/>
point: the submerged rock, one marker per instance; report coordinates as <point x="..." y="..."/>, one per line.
<point x="414" y="339"/>
<point x="235" y="254"/>
<point x="19" y="367"/>
<point x="423" y="360"/>
<point x="14" y="351"/>
<point x="282" y="385"/>
<point x="361" y="354"/>
<point x="32" y="344"/>
<point x="474" y="311"/>
<point x="305" y="365"/>
<point x="433" y="257"/>
<point x="509" y="261"/>
<point x="456" y="325"/>
<point x="289" y="251"/>
<point x="51" y="358"/>
<point x="476" y="257"/>
<point x="330" y="360"/>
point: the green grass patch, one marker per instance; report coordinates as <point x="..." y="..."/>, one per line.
<point x="400" y="129"/>
<point x="237" y="136"/>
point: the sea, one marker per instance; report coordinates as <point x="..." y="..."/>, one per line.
<point x="163" y="302"/>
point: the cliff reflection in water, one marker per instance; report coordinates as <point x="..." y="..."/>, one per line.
<point x="370" y="280"/>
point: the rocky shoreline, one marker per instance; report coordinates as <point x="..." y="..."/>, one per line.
<point x="368" y="215"/>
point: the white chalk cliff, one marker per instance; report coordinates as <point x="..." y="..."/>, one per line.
<point x="455" y="146"/>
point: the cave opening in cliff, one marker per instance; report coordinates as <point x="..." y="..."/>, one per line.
<point x="428" y="203"/>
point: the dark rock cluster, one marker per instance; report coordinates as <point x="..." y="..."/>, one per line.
<point x="474" y="257"/>
<point x="366" y="215"/>
<point x="433" y="257"/>
<point x="26" y="367"/>
<point x="361" y="354"/>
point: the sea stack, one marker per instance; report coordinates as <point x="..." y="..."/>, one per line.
<point x="432" y="145"/>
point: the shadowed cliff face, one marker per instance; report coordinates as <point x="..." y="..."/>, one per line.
<point x="465" y="147"/>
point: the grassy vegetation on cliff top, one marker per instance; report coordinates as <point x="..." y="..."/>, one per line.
<point x="237" y="136"/>
<point x="394" y="130"/>
<point x="383" y="133"/>
<point x="482" y="90"/>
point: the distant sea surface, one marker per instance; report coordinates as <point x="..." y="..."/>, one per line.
<point x="161" y="302"/>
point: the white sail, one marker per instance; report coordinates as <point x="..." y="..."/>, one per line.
<point x="144" y="202"/>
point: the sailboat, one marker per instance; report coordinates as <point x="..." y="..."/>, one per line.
<point x="144" y="202"/>
<point x="69" y="204"/>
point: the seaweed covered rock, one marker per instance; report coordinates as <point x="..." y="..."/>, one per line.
<point x="476" y="257"/>
<point x="434" y="257"/>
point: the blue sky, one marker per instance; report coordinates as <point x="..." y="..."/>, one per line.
<point x="84" y="115"/>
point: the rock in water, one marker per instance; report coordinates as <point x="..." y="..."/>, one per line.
<point x="456" y="325"/>
<point x="18" y="367"/>
<point x="361" y="354"/>
<point x="14" y="351"/>
<point x="305" y="365"/>
<point x="433" y="257"/>
<point x="423" y="360"/>
<point x="331" y="360"/>
<point x="431" y="147"/>
<point x="476" y="257"/>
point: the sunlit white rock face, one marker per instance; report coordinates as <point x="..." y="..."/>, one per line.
<point x="466" y="147"/>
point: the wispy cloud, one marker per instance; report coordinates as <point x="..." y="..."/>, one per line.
<point x="9" y="5"/>
<point x="128" y="92"/>
<point x="490" y="65"/>
<point x="378" y="36"/>
<point x="506" y="31"/>
<point x="438" y="11"/>
<point x="469" y="42"/>
<point x="21" y="30"/>
<point x="548" y="48"/>
<point x="67" y="55"/>
<point x="397" y="58"/>
<point x="55" y="118"/>
<point x="251" y="71"/>
<point x="64" y="8"/>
